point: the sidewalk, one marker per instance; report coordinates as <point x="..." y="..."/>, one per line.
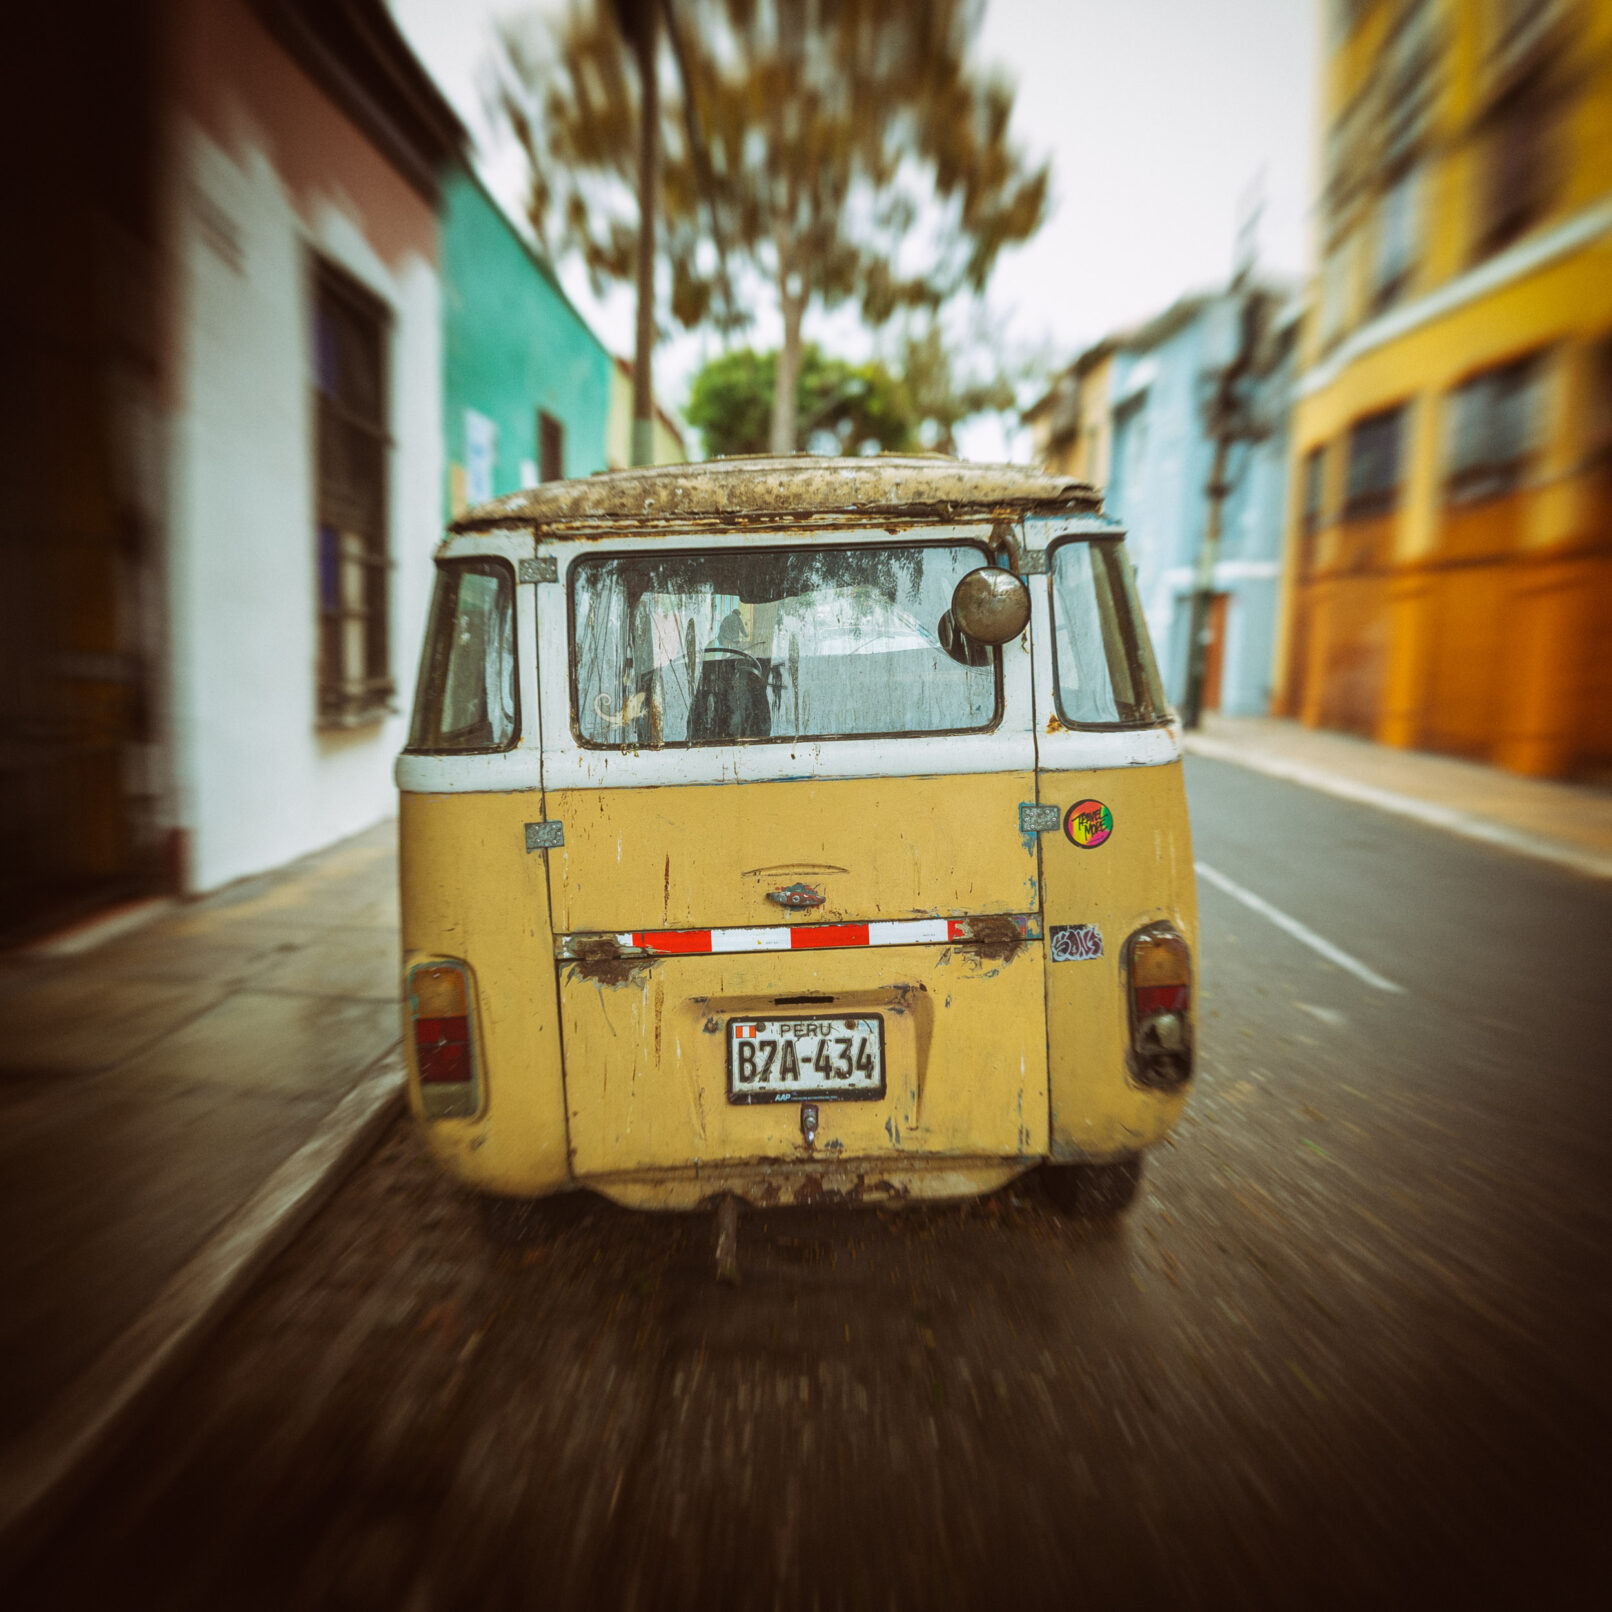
<point x="150" y="1087"/>
<point x="1568" y="824"/>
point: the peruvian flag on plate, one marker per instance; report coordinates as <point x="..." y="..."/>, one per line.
<point x="745" y="1030"/>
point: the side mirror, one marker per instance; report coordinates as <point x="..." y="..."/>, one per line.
<point x="992" y="606"/>
<point x="964" y="650"/>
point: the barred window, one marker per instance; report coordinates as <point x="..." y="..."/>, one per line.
<point x="1516" y="24"/>
<point x="1315" y="464"/>
<point x="1375" y="453"/>
<point x="1519" y="171"/>
<point x="1410" y="78"/>
<point x="1399" y="229"/>
<point x="1598" y="426"/>
<point x="1494" y="428"/>
<point x="350" y="518"/>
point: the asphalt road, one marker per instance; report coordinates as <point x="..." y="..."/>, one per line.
<point x="1349" y="1347"/>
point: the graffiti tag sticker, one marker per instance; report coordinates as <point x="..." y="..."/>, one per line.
<point x="1076" y="943"/>
<point x="1088" y="823"/>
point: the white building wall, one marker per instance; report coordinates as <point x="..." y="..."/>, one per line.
<point x="258" y="782"/>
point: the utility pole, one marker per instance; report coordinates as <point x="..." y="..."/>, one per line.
<point x="638" y="20"/>
<point x="1229" y="420"/>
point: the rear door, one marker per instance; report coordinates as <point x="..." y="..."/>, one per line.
<point x="778" y="794"/>
<point x="1118" y="852"/>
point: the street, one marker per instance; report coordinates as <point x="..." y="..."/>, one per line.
<point x="1348" y="1347"/>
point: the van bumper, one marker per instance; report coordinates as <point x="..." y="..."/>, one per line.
<point x="768" y="1182"/>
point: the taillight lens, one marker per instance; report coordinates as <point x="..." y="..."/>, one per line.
<point x="444" y="1054"/>
<point x="1159" y="967"/>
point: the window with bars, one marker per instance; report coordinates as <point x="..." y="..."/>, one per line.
<point x="1410" y="79"/>
<point x="1314" y="488"/>
<point x="350" y="518"/>
<point x="550" y="447"/>
<point x="1375" y="454"/>
<point x="1399" y="233"/>
<point x="1494" y="429"/>
<point x="1519" y="170"/>
<point x="1598" y="426"/>
<point x="1515" y="25"/>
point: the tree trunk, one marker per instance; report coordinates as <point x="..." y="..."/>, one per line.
<point x="643" y="373"/>
<point x="783" y="394"/>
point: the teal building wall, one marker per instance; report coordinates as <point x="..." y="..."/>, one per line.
<point x="512" y="345"/>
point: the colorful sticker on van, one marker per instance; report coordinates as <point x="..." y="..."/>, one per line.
<point x="1088" y="823"/>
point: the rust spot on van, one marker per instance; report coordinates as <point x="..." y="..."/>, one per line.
<point x="1054" y="725"/>
<point x="997" y="937"/>
<point x="598" y="957"/>
<point x="809" y="1190"/>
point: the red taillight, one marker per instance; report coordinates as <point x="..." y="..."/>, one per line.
<point x="442" y="1047"/>
<point x="1159" y="968"/>
<point x="1160" y="998"/>
<point x="439" y="1006"/>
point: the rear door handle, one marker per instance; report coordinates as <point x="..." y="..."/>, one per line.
<point x="796" y="896"/>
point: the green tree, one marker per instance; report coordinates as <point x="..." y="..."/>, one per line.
<point x="941" y="397"/>
<point x="862" y="407"/>
<point x="847" y="151"/>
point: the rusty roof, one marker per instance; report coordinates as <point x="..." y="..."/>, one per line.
<point x="788" y="490"/>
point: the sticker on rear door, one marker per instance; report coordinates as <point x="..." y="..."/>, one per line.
<point x="1074" y="943"/>
<point x="1088" y="823"/>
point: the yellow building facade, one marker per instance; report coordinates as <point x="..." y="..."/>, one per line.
<point x="1070" y="429"/>
<point x="667" y="438"/>
<point x="1448" y="577"/>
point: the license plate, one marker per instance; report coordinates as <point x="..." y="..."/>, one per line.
<point x="805" y="1060"/>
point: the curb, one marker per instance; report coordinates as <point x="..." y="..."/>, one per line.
<point x="44" y="1471"/>
<point x="1591" y="864"/>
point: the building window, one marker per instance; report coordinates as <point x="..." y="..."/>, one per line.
<point x="1516" y="25"/>
<point x="1598" y="435"/>
<point x="1399" y="235"/>
<point x="1375" y="453"/>
<point x="1518" y="170"/>
<point x="1313" y="504"/>
<point x="1337" y="279"/>
<point x="550" y="447"/>
<point x="1410" y="74"/>
<point x="1350" y="159"/>
<point x="1494" y="428"/>
<point x="349" y="329"/>
<point x="1345" y="17"/>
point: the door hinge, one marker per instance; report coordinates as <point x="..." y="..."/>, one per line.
<point x="1036" y="818"/>
<point x="546" y="836"/>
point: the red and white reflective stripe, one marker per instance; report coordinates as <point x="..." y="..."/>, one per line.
<point x="796" y="937"/>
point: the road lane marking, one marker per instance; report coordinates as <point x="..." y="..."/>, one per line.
<point x="1328" y="1016"/>
<point x="1301" y="932"/>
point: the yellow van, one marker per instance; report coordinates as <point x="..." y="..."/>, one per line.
<point x="794" y="830"/>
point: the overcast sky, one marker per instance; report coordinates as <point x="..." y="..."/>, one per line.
<point x="1160" y="116"/>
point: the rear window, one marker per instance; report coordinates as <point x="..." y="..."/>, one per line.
<point x="1102" y="660"/>
<point x="465" y="698"/>
<point x="773" y="644"/>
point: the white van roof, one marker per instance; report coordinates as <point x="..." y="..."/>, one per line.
<point x="799" y="490"/>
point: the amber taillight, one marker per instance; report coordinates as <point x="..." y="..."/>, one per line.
<point x="444" y="1050"/>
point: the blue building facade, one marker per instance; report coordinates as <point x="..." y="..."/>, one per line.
<point x="1145" y="390"/>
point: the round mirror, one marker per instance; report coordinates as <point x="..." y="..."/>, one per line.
<point x="964" y="650"/>
<point x="991" y="605"/>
